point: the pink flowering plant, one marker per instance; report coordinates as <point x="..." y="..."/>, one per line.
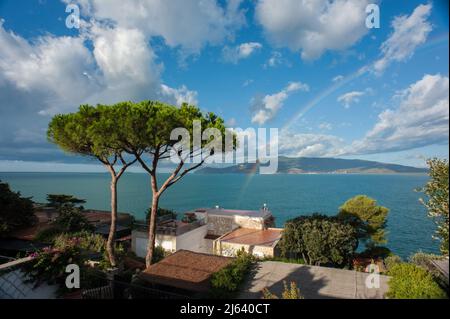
<point x="49" y="264"/>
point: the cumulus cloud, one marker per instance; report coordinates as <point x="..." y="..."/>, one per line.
<point x="242" y="51"/>
<point x="312" y="27"/>
<point x="104" y="64"/>
<point x="310" y="145"/>
<point x="349" y="98"/>
<point x="110" y="60"/>
<point x="178" y="96"/>
<point x="188" y="24"/>
<point x="421" y="119"/>
<point x="409" y="32"/>
<point x="267" y="107"/>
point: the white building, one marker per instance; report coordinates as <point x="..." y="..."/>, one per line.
<point x="210" y="225"/>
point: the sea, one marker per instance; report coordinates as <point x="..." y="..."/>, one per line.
<point x="286" y="195"/>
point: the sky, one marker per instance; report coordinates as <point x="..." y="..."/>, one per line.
<point x="313" y="69"/>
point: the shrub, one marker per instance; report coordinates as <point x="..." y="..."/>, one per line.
<point x="86" y="241"/>
<point x="47" y="235"/>
<point x="391" y="261"/>
<point x="71" y="219"/>
<point x="289" y="292"/>
<point x="412" y="282"/>
<point x="15" y="210"/>
<point x="376" y="252"/>
<point x="319" y="239"/>
<point x="423" y="259"/>
<point x="226" y="281"/>
<point x="49" y="265"/>
<point x="90" y="243"/>
<point x="158" y="254"/>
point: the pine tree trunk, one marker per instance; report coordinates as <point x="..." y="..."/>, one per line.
<point x="112" y="229"/>
<point x="152" y="230"/>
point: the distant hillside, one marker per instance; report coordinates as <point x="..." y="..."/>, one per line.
<point x="311" y="165"/>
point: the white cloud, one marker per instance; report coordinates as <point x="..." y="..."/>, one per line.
<point x="325" y="126"/>
<point x="242" y="51"/>
<point x="178" y="96"/>
<point x="409" y="32"/>
<point x="267" y="107"/>
<point x="188" y="24"/>
<point x="313" y="27"/>
<point x="276" y="59"/>
<point x="349" y="98"/>
<point x="56" y="74"/>
<point x="310" y="145"/>
<point x="421" y="119"/>
<point x="338" y="78"/>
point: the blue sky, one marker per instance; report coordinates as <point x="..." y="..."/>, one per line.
<point x="314" y="70"/>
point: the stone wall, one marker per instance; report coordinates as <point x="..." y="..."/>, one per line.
<point x="219" y="225"/>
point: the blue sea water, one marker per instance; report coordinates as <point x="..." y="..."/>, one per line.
<point x="287" y="196"/>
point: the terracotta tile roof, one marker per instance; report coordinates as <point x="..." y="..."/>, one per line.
<point x="185" y="270"/>
<point x="257" y="237"/>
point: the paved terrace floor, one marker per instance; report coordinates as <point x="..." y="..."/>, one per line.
<point x="314" y="282"/>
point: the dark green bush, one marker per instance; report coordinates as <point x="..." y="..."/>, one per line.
<point x="226" y="281"/>
<point x="158" y="254"/>
<point x="47" y="235"/>
<point x="71" y="219"/>
<point x="15" y="210"/>
<point x="319" y="239"/>
<point x="412" y="282"/>
<point x="376" y="252"/>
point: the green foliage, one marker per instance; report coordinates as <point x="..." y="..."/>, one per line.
<point x="158" y="254"/>
<point x="106" y="132"/>
<point x="391" y="261"/>
<point x="436" y="203"/>
<point x="423" y="259"/>
<point x="289" y="292"/>
<point x="90" y="243"/>
<point x="226" y="281"/>
<point x="363" y="213"/>
<point x="49" y="264"/>
<point x="71" y="219"/>
<point x="85" y="241"/>
<point x="47" y="235"/>
<point x="59" y="200"/>
<point x="412" y="282"/>
<point x="376" y="252"/>
<point x="15" y="211"/>
<point x="319" y="239"/>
